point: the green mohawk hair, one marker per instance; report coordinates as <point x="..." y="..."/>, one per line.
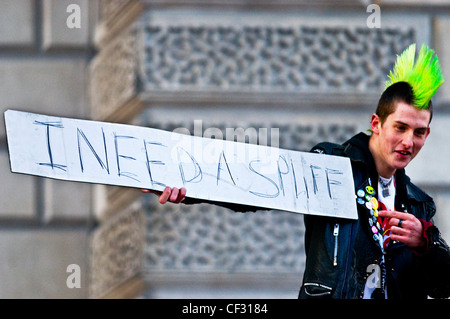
<point x="424" y="76"/>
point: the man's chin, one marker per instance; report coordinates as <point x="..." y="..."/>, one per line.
<point x="401" y="164"/>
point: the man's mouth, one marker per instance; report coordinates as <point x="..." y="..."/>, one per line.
<point x="404" y="153"/>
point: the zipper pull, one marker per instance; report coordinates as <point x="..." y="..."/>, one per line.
<point x="335" y="234"/>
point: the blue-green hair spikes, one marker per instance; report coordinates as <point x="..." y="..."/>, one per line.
<point x="424" y="76"/>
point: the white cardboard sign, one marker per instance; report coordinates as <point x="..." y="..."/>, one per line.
<point x="210" y="169"/>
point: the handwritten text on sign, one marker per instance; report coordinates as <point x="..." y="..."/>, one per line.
<point x="210" y="169"/>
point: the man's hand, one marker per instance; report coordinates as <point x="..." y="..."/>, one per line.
<point x="410" y="231"/>
<point x="173" y="195"/>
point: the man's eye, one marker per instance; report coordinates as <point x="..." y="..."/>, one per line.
<point x="420" y="133"/>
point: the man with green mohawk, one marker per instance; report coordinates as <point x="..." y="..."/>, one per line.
<point x="393" y="250"/>
<point x="424" y="77"/>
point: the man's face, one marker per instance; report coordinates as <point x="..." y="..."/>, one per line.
<point x="399" y="139"/>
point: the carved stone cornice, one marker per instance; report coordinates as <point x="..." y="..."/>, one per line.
<point x="412" y="4"/>
<point x="255" y="4"/>
<point x="175" y="57"/>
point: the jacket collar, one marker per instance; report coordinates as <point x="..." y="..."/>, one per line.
<point x="357" y="149"/>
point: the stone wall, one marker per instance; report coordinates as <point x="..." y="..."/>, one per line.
<point x="45" y="224"/>
<point x="312" y="71"/>
<point x="298" y="71"/>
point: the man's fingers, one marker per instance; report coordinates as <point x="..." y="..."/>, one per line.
<point x="177" y="195"/>
<point x="396" y="222"/>
<point x="409" y="231"/>
<point x="174" y="195"/>
<point x="181" y="195"/>
<point x="165" y="195"/>
<point x="393" y="214"/>
<point x="399" y="231"/>
<point x="150" y="191"/>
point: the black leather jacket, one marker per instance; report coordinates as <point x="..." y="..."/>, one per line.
<point x="339" y="251"/>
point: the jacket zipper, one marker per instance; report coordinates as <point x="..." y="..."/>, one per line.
<point x="336" y="235"/>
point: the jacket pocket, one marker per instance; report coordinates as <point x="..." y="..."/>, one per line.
<point x="317" y="290"/>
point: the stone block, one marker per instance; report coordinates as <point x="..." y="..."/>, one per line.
<point x="53" y="87"/>
<point x="35" y="263"/>
<point x="66" y="200"/>
<point x="17" y="198"/>
<point x="17" y="23"/>
<point x="65" y="24"/>
<point x="441" y="27"/>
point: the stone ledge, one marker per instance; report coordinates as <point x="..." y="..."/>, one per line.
<point x="252" y="4"/>
<point x="131" y="288"/>
<point x="414" y="3"/>
<point x="240" y="285"/>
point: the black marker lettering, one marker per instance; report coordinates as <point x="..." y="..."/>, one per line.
<point x="198" y="170"/>
<point x="306" y="187"/>
<point x="219" y="168"/>
<point x="49" y="147"/>
<point x="119" y="156"/>
<point x="280" y="178"/>
<point x="155" y="162"/>
<point x="313" y="167"/>
<point x="297" y="193"/>
<point x="266" y="178"/>
<point x="102" y="164"/>
<point x="329" y="171"/>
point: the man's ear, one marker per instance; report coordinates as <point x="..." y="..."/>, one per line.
<point x="375" y="123"/>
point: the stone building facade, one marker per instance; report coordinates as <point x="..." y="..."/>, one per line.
<point x="288" y="73"/>
<point x="45" y="224"/>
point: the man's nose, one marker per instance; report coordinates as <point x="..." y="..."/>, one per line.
<point x="408" y="140"/>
